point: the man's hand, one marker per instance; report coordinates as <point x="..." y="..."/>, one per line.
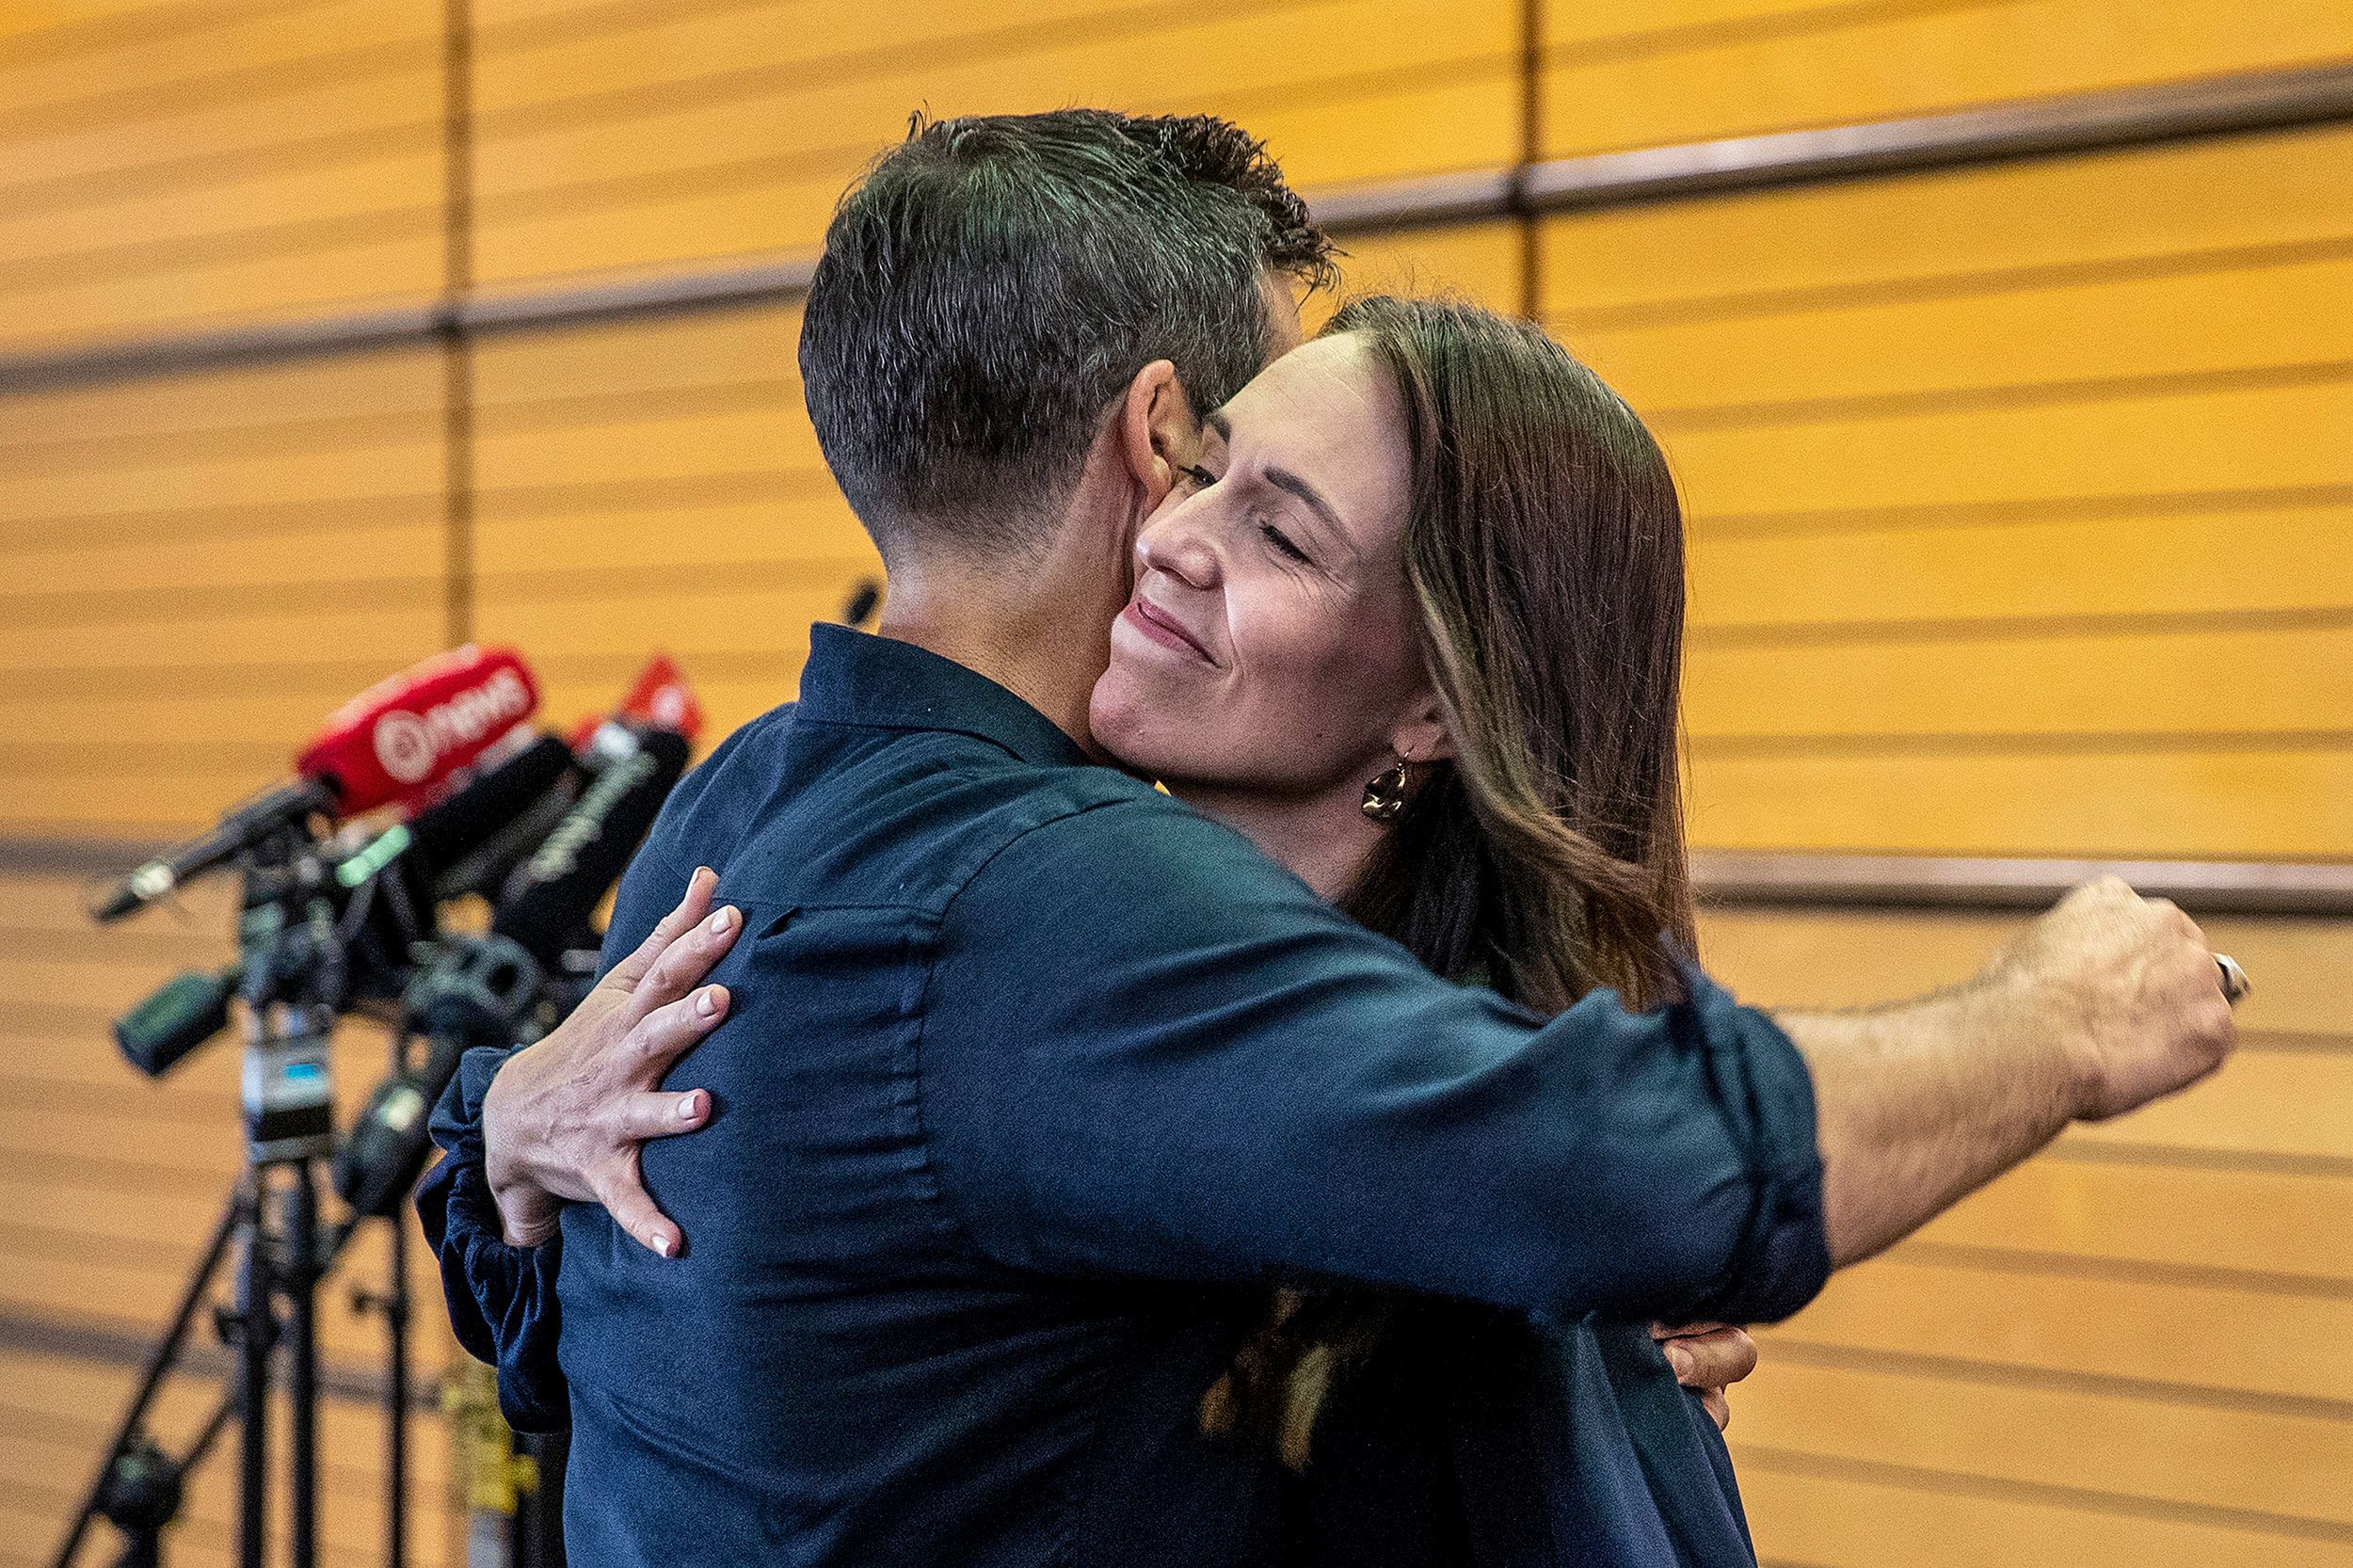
<point x="563" y="1120"/>
<point x="1708" y="1358"/>
<point x="2133" y="986"/>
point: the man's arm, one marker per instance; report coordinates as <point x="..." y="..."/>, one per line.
<point x="1144" y="1052"/>
<point x="2106" y="1002"/>
<point x="1920" y="1103"/>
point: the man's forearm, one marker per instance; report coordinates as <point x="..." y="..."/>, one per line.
<point x="2104" y="1004"/>
<point x="1921" y="1103"/>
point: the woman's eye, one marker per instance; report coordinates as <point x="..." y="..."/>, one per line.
<point x="1281" y="541"/>
<point x="1200" y="478"/>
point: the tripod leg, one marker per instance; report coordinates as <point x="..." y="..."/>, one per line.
<point x="256" y="1306"/>
<point x="301" y="1288"/>
<point x="396" y="1401"/>
<point x="159" y="1363"/>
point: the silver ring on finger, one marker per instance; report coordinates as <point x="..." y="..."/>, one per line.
<point x="2234" y="982"/>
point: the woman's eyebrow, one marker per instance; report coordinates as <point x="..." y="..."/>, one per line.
<point x="1283" y="478"/>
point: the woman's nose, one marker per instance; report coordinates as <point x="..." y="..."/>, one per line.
<point x="1177" y="546"/>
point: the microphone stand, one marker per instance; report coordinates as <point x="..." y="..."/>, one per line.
<point x="293" y="979"/>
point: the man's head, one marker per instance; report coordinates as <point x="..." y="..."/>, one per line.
<point x="993" y="286"/>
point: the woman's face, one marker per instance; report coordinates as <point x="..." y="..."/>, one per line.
<point x="1270" y="644"/>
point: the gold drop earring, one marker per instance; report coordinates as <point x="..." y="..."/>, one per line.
<point x="1385" y="796"/>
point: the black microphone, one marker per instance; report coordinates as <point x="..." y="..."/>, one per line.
<point x="241" y="828"/>
<point x="551" y="896"/>
<point x="445" y="833"/>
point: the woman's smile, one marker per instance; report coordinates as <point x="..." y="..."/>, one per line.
<point x="1150" y="621"/>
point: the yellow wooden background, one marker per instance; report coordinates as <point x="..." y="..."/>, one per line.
<point x="2019" y="494"/>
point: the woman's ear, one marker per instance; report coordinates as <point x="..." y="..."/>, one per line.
<point x="1158" y="432"/>
<point x="1424" y="737"/>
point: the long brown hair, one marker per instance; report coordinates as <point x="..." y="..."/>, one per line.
<point x="1543" y="548"/>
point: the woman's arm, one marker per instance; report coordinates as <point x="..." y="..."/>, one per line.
<point x="499" y="1270"/>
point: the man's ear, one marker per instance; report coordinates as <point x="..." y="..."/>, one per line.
<point x="1158" y="432"/>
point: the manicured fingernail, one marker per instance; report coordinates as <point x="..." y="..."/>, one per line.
<point x="665" y="1245"/>
<point x="706" y="1002"/>
<point x="1680" y="1359"/>
<point x="720" y="922"/>
<point x="690" y="1108"/>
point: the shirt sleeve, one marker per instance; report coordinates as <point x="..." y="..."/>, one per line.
<point x="502" y="1299"/>
<point x="1147" y="1050"/>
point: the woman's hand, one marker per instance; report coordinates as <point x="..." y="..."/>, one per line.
<point x="563" y="1120"/>
<point x="1708" y="1358"/>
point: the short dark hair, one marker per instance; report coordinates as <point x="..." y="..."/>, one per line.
<point x="993" y="283"/>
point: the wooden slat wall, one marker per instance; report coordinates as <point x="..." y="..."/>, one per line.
<point x="639" y="134"/>
<point x="2115" y="1354"/>
<point x="170" y="164"/>
<point x="198" y="569"/>
<point x="1677" y="71"/>
<point x="2019" y="498"/>
<point x="2017" y="494"/>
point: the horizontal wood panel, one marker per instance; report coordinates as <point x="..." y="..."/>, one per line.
<point x="2292" y="1103"/>
<point x="2159" y="442"/>
<point x="276" y="159"/>
<point x="2204" y="1223"/>
<point x="2140" y="205"/>
<point x="1663" y="76"/>
<point x="2236" y="683"/>
<point x="204" y="568"/>
<point x="2186" y="803"/>
<point x="2176" y="1334"/>
<point x="2034" y="567"/>
<point x="666" y="545"/>
<point x="1483" y="261"/>
<point x="327" y="561"/>
<point x="171" y="65"/>
<point x="56" y="241"/>
<point x="1827" y="1515"/>
<point x="2201" y="321"/>
<point x="2204" y="1456"/>
<point x="301" y="119"/>
<point x="381" y="632"/>
<point x="740" y="135"/>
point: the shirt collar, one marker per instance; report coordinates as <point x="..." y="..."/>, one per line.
<point x="879" y="683"/>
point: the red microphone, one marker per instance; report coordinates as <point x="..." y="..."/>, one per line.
<point x="399" y="741"/>
<point x="404" y="737"/>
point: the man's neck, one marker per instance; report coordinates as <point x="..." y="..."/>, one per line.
<point x="1042" y="632"/>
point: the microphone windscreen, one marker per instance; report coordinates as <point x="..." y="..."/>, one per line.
<point x="553" y="894"/>
<point x="450" y="829"/>
<point x="404" y="737"/>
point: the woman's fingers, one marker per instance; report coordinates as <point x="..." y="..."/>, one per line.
<point x="682" y="966"/>
<point x="1719" y="1408"/>
<point x="659" y="1114"/>
<point x="631" y="971"/>
<point x="1707" y="1356"/>
<point x="633" y="1209"/>
<point x="669" y="1033"/>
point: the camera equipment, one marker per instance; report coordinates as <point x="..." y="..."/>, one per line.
<point x="330" y="924"/>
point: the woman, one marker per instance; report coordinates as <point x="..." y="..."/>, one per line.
<point x="1413" y="626"/>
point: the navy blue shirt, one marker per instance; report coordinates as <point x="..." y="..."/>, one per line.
<point x="1035" y="1079"/>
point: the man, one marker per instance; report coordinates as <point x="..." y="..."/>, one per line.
<point x="1036" y="1078"/>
